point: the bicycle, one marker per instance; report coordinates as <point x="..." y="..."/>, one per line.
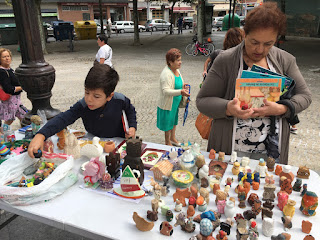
<point x="195" y="47"/>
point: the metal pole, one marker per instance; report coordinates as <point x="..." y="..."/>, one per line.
<point x="230" y="1"/>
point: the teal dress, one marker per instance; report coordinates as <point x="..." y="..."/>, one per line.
<point x="166" y="119"/>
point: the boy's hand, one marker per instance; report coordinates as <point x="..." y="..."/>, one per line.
<point x="131" y="133"/>
<point x="36" y="144"/>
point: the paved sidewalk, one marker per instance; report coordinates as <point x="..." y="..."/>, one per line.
<point x="139" y="69"/>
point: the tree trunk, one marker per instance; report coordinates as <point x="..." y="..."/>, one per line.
<point x="171" y="16"/>
<point x="200" y="25"/>
<point x="136" y="40"/>
<point x="230" y="14"/>
<point x="233" y="9"/>
<point x="101" y="17"/>
<point x="43" y="34"/>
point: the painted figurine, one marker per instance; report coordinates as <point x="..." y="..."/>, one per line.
<point x="229" y="209"/>
<point x="72" y="146"/>
<point x="221" y="205"/>
<point x="268" y="193"/>
<point x="304" y="189"/>
<point x="206" y="227"/>
<point x="282" y="199"/>
<point x="262" y="168"/>
<point x="233" y="157"/>
<point x="297" y="185"/>
<point x="166" y="228"/>
<point x="178" y="206"/>
<point x="236" y="168"/>
<point x="270" y="164"/>
<point x="222" y="235"/>
<point x="289" y="209"/>
<point x="309" y="203"/>
<point x="287" y="223"/>
<point x="94" y="170"/>
<point x="303" y="172"/>
<point x="113" y="165"/>
<point x="286" y="186"/>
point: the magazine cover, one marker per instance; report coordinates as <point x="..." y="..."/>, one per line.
<point x="252" y="91"/>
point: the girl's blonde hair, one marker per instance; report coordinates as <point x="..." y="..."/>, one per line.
<point x="4" y="50"/>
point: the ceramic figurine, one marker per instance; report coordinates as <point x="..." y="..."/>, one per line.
<point x="226" y="226"/>
<point x="286" y="171"/>
<point x="194" y="190"/>
<point x="266" y="213"/>
<point x="267" y="227"/>
<point x="113" y="165"/>
<point x="35" y="123"/>
<point x="109" y="146"/>
<point x="190" y="211"/>
<point x="216" y="187"/>
<point x="72" y="146"/>
<point x="249" y="178"/>
<point x="164" y="210"/>
<point x="268" y="204"/>
<point x="303" y="172"/>
<point x="253" y="230"/>
<point x="165" y="188"/>
<point x="241" y="176"/>
<point x="287" y="223"/>
<point x="227" y="189"/>
<point x="270" y="164"/>
<point x="180" y="219"/>
<point x="256" y="177"/>
<point x="242" y="197"/>
<point x="229" y="209"/>
<point x="94" y="170"/>
<point x="189" y="226"/>
<point x="251" y="198"/>
<point x="166" y="228"/>
<point x="169" y="215"/>
<point x="212" y="154"/>
<point x="141" y="223"/>
<point x="288" y="209"/>
<point x="187" y="161"/>
<point x="202" y="205"/>
<point x="92" y="150"/>
<point x="217" y="168"/>
<point x="286" y="186"/>
<point x="278" y="170"/>
<point x="152" y="215"/>
<point x="204" y="172"/>
<point x="233" y="157"/>
<point x="249" y="214"/>
<point x="221" y="206"/>
<point x="282" y="179"/>
<point x="221" y="195"/>
<point x="229" y="181"/>
<point x="306" y="226"/>
<point x="222" y="235"/>
<point x="181" y="195"/>
<point x="61" y="140"/>
<point x="206" y="227"/>
<point x="280" y="236"/>
<point x="268" y="193"/>
<point x="309" y="203"/>
<point x="242" y="231"/>
<point x="256" y="208"/>
<point x="309" y="237"/>
<point x="205" y="194"/>
<point x="262" y="168"/>
<point x="200" y="162"/>
<point x="106" y="182"/>
<point x="236" y="168"/>
<point x="269" y="179"/>
<point x="133" y="159"/>
<point x="297" y="185"/>
<point x="245" y="161"/>
<point x="282" y="199"/>
<point x="255" y="185"/>
<point x="304" y="189"/>
<point x="178" y="206"/>
<point x="221" y="156"/>
<point x="192" y="201"/>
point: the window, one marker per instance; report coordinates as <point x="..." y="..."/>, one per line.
<point x="85" y="16"/>
<point x="75" y="8"/>
<point x="157" y="14"/>
<point x="126" y="24"/>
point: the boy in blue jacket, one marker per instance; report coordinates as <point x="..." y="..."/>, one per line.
<point x="100" y="110"/>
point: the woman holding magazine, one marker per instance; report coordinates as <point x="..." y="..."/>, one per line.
<point x="248" y="131"/>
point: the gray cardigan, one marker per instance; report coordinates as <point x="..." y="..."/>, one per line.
<point x="219" y="88"/>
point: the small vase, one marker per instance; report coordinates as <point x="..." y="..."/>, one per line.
<point x="109" y="146"/>
<point x="229" y="210"/>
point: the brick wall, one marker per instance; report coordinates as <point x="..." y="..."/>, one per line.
<point x="74" y="16"/>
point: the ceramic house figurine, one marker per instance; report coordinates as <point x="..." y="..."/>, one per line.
<point x="270" y="164"/>
<point x="303" y="172"/>
<point x="92" y="150"/>
<point x="162" y="168"/>
<point x="229" y="209"/>
<point x="282" y="199"/>
<point x="262" y="168"/>
<point x="297" y="185"/>
<point x="267" y="227"/>
<point x="288" y="209"/>
<point x="236" y="168"/>
<point x="113" y="165"/>
<point x="72" y="146"/>
<point x="309" y="203"/>
<point x="233" y="157"/>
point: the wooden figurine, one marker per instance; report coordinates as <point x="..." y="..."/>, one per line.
<point x="283" y="197"/>
<point x="297" y="185"/>
<point x="72" y="146"/>
<point x="289" y="209"/>
<point x="309" y="203"/>
<point x="270" y="164"/>
<point x="303" y="172"/>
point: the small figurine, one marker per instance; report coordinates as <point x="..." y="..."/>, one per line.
<point x="303" y="172"/>
<point x="113" y="165"/>
<point x="106" y="182"/>
<point x="91" y="150"/>
<point x="216" y="187"/>
<point x="165" y="188"/>
<point x="229" y="181"/>
<point x="181" y="195"/>
<point x="169" y="215"/>
<point x="212" y="154"/>
<point x="268" y="193"/>
<point x="256" y="208"/>
<point x="61" y="139"/>
<point x="189" y="226"/>
<point x="287" y="223"/>
<point x="240" y="176"/>
<point x="288" y="209"/>
<point x="152" y="215"/>
<point x="192" y="201"/>
<point x="222" y="235"/>
<point x="229" y="209"/>
<point x="286" y="186"/>
<point x="35" y="123"/>
<point x="306" y="226"/>
<point x="204" y="172"/>
<point x="205" y="194"/>
<point x="266" y="213"/>
<point x="226" y="226"/>
<point x="94" y="170"/>
<point x="71" y="146"/>
<point x="233" y="157"/>
<point x="221" y="205"/>
<point x="202" y="205"/>
<point x="200" y="162"/>
<point x="267" y="227"/>
<point x="164" y="209"/>
<point x="282" y="199"/>
<point x="278" y="170"/>
<point x="297" y="185"/>
<point x="141" y="223"/>
<point x="178" y="206"/>
<point x="236" y="168"/>
<point x="309" y="203"/>
<point x="270" y="164"/>
<point x="190" y="211"/>
<point x="251" y="198"/>
<point x="166" y="228"/>
<point x="206" y="227"/>
<point x="262" y="168"/>
<point x="242" y="197"/>
<point x="309" y="237"/>
<point x="286" y="171"/>
<point x="304" y="189"/>
<point x="245" y="161"/>
<point x="221" y="156"/>
<point x="255" y="185"/>
<point x="180" y="219"/>
<point x="249" y="214"/>
<point x="281" y="236"/>
<point x="268" y="204"/>
<point x="269" y="179"/>
<point x="253" y="230"/>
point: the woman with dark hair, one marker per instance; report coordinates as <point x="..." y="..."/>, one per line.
<point x="172" y="88"/>
<point x="104" y="55"/>
<point x="245" y="131"/>
<point x="11" y="108"/>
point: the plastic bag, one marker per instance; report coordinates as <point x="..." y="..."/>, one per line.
<point x="56" y="183"/>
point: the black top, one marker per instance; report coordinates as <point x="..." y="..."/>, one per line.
<point x="104" y="122"/>
<point x="8" y="81"/>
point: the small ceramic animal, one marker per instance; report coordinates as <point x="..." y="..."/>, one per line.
<point x="92" y="150"/>
<point x="72" y="146"/>
<point x="61" y="139"/>
<point x="287" y="224"/>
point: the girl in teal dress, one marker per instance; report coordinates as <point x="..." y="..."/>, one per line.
<point x="172" y="90"/>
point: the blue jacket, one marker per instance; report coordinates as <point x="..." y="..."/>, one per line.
<point x="104" y="122"/>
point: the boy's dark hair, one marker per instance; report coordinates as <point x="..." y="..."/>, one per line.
<point x="103" y="38"/>
<point x="102" y="76"/>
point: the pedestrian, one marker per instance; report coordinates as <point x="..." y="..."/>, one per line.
<point x="234" y="36"/>
<point x="104" y="55"/>
<point x="180" y="25"/>
<point x="172" y="88"/>
<point x="264" y="24"/>
<point x="11" y="108"/>
<point x="101" y="110"/>
<point x="109" y="24"/>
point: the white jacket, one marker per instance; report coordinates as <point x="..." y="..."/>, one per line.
<point x="167" y="91"/>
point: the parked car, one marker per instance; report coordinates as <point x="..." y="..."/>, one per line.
<point x="187" y="22"/>
<point x="125" y="26"/>
<point x="49" y="29"/>
<point x="157" y="24"/>
<point x="99" y="28"/>
<point x="217" y="22"/>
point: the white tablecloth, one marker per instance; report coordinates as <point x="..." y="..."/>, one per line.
<point x="99" y="217"/>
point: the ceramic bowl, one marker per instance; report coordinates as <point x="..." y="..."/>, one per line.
<point x="182" y="178"/>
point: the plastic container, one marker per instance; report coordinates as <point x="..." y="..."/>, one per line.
<point x="85" y="30"/>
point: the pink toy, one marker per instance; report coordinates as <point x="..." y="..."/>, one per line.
<point x="221" y="205"/>
<point x="282" y="199"/>
<point x="94" y="170"/>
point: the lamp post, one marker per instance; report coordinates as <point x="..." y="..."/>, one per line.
<point x="36" y="76"/>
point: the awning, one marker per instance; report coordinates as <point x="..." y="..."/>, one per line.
<point x="182" y="9"/>
<point x="221" y="7"/>
<point x="7" y="15"/>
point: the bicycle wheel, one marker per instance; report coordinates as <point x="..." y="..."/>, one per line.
<point x="190" y="48"/>
<point x="209" y="46"/>
<point x="195" y="52"/>
<point x="206" y="52"/>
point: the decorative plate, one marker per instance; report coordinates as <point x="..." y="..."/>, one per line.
<point x="182" y="178"/>
<point x="151" y="156"/>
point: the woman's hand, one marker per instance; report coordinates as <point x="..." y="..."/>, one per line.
<point x="186" y="86"/>
<point x="233" y="109"/>
<point x="269" y="109"/>
<point x="131" y="133"/>
<point x="36" y="144"/>
<point x="185" y="92"/>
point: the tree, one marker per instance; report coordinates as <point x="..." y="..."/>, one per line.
<point x="136" y="38"/>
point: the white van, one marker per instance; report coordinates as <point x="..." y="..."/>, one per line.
<point x="125" y="26"/>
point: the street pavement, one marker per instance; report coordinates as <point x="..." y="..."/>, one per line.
<point x="139" y="68"/>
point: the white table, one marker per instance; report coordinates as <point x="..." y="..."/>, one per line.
<point x="99" y="217"/>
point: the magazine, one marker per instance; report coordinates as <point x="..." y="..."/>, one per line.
<point x="252" y="91"/>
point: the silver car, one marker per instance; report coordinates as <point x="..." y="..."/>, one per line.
<point x="157" y="24"/>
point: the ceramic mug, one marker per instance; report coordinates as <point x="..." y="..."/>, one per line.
<point x="109" y="146"/>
